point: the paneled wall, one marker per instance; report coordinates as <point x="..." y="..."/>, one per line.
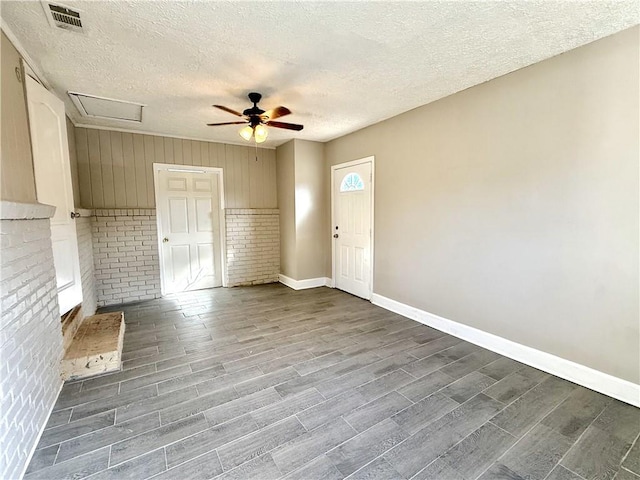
<point x="115" y="169"/>
<point x="73" y="162"/>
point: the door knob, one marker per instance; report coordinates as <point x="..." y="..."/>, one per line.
<point x="335" y="235"/>
<point x="165" y="240"/>
<point x="75" y="214"/>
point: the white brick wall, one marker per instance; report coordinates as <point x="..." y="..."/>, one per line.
<point x="253" y="246"/>
<point x="125" y="255"/>
<point x="30" y="339"/>
<point x="85" y="252"/>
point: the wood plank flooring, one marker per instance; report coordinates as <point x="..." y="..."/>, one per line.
<point x="266" y="382"/>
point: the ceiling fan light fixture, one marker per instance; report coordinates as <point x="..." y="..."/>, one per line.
<point x="256" y="120"/>
<point x="247" y="133"/>
<point x="260" y="133"/>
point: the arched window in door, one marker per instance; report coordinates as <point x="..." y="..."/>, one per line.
<point x="350" y="182"/>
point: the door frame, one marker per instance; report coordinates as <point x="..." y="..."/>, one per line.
<point x="371" y="159"/>
<point x="157" y="167"/>
<point x="70" y="295"/>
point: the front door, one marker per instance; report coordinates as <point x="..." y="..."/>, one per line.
<point x="52" y="169"/>
<point x="352" y="203"/>
<point x="188" y="205"/>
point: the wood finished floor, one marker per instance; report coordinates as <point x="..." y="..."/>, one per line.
<point x="266" y="382"/>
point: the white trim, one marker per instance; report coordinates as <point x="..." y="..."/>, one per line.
<point x="223" y="228"/>
<point x="185" y="170"/>
<point x="157" y="167"/>
<point x="352" y="163"/>
<point x="615" y="387"/>
<point x="304" y="284"/>
<point x="168" y="135"/>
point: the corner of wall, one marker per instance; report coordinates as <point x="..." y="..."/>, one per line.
<point x="285" y="182"/>
<point x="87" y="269"/>
<point x="73" y="161"/>
<point x="30" y="329"/>
<point x="303" y="205"/>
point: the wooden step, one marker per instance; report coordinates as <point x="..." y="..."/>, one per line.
<point x="96" y="347"/>
<point x="70" y="322"/>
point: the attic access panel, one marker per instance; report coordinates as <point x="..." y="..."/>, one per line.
<point x="109" y="108"/>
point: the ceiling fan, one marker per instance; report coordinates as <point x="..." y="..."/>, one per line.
<point x="257" y="119"/>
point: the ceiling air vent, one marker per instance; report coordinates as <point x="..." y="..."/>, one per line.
<point x="60" y="16"/>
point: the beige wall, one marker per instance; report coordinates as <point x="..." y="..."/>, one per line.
<point x="16" y="169"/>
<point x="512" y="206"/>
<point x="303" y="203"/>
<point x="115" y="170"/>
<point x="311" y="209"/>
<point x="285" y="163"/>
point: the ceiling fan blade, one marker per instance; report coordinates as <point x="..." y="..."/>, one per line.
<point x="229" y="110"/>
<point x="287" y="126"/>
<point x="225" y="123"/>
<point x="275" y="113"/>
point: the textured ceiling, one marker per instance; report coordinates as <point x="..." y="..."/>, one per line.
<point x="339" y="66"/>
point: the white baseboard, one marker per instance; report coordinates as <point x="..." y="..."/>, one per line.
<point x="303" y="284"/>
<point x="615" y="387"/>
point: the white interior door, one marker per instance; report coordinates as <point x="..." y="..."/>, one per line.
<point x="188" y="206"/>
<point x="352" y="229"/>
<point x="52" y="170"/>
